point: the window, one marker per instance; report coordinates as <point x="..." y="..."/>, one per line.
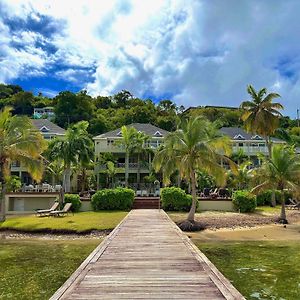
<point x="241" y="144"/>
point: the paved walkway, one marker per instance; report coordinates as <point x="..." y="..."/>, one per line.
<point x="147" y="257"/>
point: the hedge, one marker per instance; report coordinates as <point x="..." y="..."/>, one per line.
<point x="244" y="201"/>
<point x="113" y="199"/>
<point x="75" y="200"/>
<point x="265" y="197"/>
<point x="176" y="199"/>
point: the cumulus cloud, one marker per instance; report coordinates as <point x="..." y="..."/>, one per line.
<point x="199" y="52"/>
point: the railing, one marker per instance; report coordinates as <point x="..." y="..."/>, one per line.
<point x="122" y="166"/>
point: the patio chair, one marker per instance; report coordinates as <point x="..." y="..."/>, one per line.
<point x="45" y="187"/>
<point x="138" y="193"/>
<point x="206" y="192"/>
<point x="224" y="193"/>
<point x="46" y="212"/>
<point x="29" y="188"/>
<point x="57" y="188"/>
<point x="63" y="212"/>
<point x="145" y="193"/>
<point x="294" y="204"/>
<point x="157" y="193"/>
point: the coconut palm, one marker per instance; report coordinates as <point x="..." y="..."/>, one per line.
<point x="241" y="176"/>
<point x="73" y="149"/>
<point x="111" y="171"/>
<point x="261" y="115"/>
<point x="128" y="142"/>
<point x="102" y="161"/>
<point x="19" y="141"/>
<point x="55" y="169"/>
<point x="281" y="171"/>
<point x="139" y="148"/>
<point x="195" y="145"/>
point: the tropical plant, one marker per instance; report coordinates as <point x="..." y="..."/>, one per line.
<point x="196" y="145"/>
<point x="13" y="183"/>
<point x="241" y="176"/>
<point x="19" y="141"/>
<point x="128" y="142"/>
<point x="261" y="115"/>
<point x="75" y="148"/>
<point x="281" y="171"/>
<point x="55" y="169"/>
<point x="139" y="148"/>
<point x="111" y="171"/>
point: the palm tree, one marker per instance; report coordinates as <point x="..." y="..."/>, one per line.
<point x="139" y="148"/>
<point x="111" y="171"/>
<point x="261" y="115"/>
<point x="128" y="142"/>
<point x="74" y="148"/>
<point x="281" y="171"/>
<point x="195" y="145"/>
<point x="102" y="161"/>
<point x="19" y="141"/>
<point x="55" y="169"/>
<point x="241" y="176"/>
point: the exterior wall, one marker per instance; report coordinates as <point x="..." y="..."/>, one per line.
<point x="20" y="203"/>
<point x="216" y="204"/>
<point x="86" y="205"/>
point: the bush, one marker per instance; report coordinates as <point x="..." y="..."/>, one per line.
<point x="244" y="201"/>
<point x="113" y="199"/>
<point x="13" y="184"/>
<point x="75" y="200"/>
<point x="265" y="197"/>
<point x="174" y="198"/>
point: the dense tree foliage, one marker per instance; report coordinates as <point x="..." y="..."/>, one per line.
<point x="106" y="113"/>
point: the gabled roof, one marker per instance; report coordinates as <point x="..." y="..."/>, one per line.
<point x="45" y="126"/>
<point x="237" y="133"/>
<point x="149" y="129"/>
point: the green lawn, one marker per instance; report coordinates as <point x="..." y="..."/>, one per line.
<point x="259" y="270"/>
<point x="79" y="222"/>
<point x="35" y="269"/>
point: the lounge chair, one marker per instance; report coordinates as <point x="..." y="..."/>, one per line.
<point x="46" y="212"/>
<point x="64" y="211"/>
<point x="294" y="204"/>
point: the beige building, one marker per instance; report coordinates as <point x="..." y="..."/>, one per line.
<point x="250" y="144"/>
<point x="49" y="131"/>
<point x="108" y="143"/>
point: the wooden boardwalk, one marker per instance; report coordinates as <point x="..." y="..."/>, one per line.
<point x="147" y="257"/>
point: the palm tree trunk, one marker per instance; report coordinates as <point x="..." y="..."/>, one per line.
<point x="3" y="206"/>
<point x="67" y="179"/>
<point x="191" y="215"/>
<point x="98" y="179"/>
<point x="282" y="213"/>
<point x="126" y="168"/>
<point x="138" y="175"/>
<point x="269" y="146"/>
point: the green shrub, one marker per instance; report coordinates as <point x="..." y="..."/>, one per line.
<point x="265" y="197"/>
<point x="13" y="184"/>
<point x="174" y="198"/>
<point x="75" y="200"/>
<point x="244" y="201"/>
<point x="113" y="199"/>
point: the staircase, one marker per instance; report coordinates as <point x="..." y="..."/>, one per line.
<point x="146" y="202"/>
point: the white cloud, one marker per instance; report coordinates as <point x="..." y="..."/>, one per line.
<point x="202" y="52"/>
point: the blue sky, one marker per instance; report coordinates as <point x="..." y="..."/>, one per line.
<point x="194" y="52"/>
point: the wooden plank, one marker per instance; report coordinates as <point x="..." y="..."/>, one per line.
<point x="147" y="257"/>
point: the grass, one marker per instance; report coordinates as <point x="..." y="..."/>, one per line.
<point x="259" y="270"/>
<point x="36" y="269"/>
<point x="79" y="222"/>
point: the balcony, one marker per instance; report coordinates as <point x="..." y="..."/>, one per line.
<point x="132" y="166"/>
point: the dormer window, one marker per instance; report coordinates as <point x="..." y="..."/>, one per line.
<point x="256" y="137"/>
<point x="119" y="133"/>
<point x="238" y="137"/>
<point x="157" y="133"/>
<point x="44" y="129"/>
